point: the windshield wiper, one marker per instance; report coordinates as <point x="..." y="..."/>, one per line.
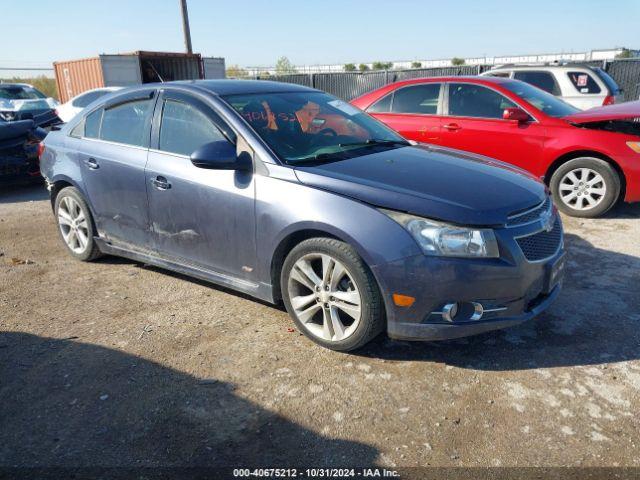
<point x="319" y="158"/>
<point x="374" y="141"/>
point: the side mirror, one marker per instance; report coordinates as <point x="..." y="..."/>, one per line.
<point x="515" y="113"/>
<point x="218" y="155"/>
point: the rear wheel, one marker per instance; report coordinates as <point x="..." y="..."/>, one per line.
<point x="585" y="187"/>
<point x="331" y="294"/>
<point x="75" y="224"/>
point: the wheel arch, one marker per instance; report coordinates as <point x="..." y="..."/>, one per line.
<point x="564" y="158"/>
<point x="295" y="237"/>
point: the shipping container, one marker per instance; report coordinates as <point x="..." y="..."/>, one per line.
<point x="120" y="70"/>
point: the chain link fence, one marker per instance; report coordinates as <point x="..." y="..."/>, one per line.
<point x="349" y="85"/>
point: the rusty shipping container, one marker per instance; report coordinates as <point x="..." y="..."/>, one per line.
<point x="76" y="76"/>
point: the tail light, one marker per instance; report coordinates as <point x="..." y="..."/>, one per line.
<point x="609" y="100"/>
<point x="40" y="149"/>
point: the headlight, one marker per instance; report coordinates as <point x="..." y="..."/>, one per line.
<point x="441" y="239"/>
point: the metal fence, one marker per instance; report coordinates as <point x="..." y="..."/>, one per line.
<point x="349" y="85"/>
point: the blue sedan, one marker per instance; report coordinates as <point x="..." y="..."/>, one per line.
<point x="291" y="195"/>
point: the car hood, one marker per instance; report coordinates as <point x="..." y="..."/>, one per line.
<point x="433" y="182"/>
<point x="619" y="111"/>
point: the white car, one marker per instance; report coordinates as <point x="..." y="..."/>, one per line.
<point x="68" y="110"/>
<point x="579" y="85"/>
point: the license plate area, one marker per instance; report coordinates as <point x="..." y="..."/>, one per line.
<point x="555" y="273"/>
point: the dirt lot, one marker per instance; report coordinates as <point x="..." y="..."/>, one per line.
<point x="116" y="363"/>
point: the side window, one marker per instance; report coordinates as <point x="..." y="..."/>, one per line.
<point x="420" y="99"/>
<point x="381" y="106"/>
<point x="469" y="100"/>
<point x="184" y="128"/>
<point x="542" y="80"/>
<point x="92" y="124"/>
<point x="584" y="82"/>
<point x="128" y="123"/>
<point x="84" y="100"/>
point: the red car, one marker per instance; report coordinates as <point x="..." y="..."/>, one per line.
<point x="589" y="159"/>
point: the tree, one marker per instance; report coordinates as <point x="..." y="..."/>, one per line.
<point x="625" y="53"/>
<point x="456" y="61"/>
<point x="363" y="67"/>
<point x="235" y="71"/>
<point x="349" y="67"/>
<point x="382" y="65"/>
<point x="416" y="65"/>
<point x="284" y="66"/>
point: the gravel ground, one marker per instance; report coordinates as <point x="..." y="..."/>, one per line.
<point x="117" y="363"/>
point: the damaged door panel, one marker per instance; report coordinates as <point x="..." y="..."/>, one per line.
<point x="200" y="217"/>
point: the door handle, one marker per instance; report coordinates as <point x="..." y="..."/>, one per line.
<point x="92" y="163"/>
<point x="452" y="127"/>
<point x="161" y="183"/>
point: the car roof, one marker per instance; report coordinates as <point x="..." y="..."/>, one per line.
<point x="461" y="78"/>
<point x="572" y="66"/>
<point x="234" y="87"/>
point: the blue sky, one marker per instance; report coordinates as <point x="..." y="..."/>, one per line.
<point x="253" y="32"/>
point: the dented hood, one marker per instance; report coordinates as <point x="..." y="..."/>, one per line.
<point x="619" y="111"/>
<point x="437" y="183"/>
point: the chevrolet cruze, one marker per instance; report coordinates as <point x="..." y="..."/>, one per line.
<point x="289" y="194"/>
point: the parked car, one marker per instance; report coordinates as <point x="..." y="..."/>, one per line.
<point x="19" y="143"/>
<point x="582" y="86"/>
<point x="70" y="109"/>
<point x="590" y="160"/>
<point x="20" y="101"/>
<point x="287" y="193"/>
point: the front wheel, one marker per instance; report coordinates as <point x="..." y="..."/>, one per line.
<point x="585" y="187"/>
<point x="331" y="294"/>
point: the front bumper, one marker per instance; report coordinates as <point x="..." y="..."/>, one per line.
<point x="511" y="290"/>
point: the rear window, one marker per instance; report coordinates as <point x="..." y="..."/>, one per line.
<point x="128" y="123"/>
<point x="84" y="100"/>
<point x="18" y="92"/>
<point x="540" y="79"/>
<point x="583" y="82"/>
<point x="499" y="74"/>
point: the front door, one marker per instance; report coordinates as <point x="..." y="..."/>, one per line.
<point x="112" y="156"/>
<point x="199" y="217"/>
<point x="473" y="122"/>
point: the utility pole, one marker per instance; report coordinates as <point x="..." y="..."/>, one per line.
<point x="185" y="26"/>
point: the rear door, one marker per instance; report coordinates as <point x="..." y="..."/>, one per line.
<point x="473" y="122"/>
<point x="112" y="157"/>
<point x="412" y="111"/>
<point x="199" y="217"/>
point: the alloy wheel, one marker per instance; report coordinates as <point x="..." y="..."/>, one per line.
<point x="582" y="188"/>
<point x="73" y="225"/>
<point x="325" y="297"/>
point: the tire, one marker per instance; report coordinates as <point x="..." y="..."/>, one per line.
<point x="348" y="278"/>
<point x="587" y="199"/>
<point x="70" y="208"/>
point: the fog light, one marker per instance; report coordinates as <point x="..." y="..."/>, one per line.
<point x="449" y="311"/>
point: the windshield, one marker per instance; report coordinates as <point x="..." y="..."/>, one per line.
<point x="18" y="92"/>
<point x="543" y="101"/>
<point x="306" y="127"/>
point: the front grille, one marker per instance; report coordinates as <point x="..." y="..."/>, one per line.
<point x="530" y="215"/>
<point x="543" y="244"/>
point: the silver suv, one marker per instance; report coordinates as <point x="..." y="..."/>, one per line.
<point x="580" y="85"/>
